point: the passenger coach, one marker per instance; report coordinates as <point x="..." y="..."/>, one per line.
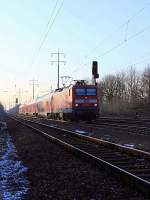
<point x="78" y="101"/>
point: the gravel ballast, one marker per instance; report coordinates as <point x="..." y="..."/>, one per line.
<point x="107" y="133"/>
<point x="56" y="174"/>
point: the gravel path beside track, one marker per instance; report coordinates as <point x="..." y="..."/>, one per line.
<point x="56" y="174"/>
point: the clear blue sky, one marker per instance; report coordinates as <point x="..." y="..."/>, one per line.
<point x="78" y="29"/>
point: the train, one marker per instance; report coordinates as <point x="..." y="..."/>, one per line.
<point x="77" y="101"/>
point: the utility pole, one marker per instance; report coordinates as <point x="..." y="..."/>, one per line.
<point x="33" y="83"/>
<point x="58" y="61"/>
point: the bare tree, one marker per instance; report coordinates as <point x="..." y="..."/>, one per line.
<point x="146" y="83"/>
<point x="120" y="86"/>
<point x="109" y="87"/>
<point x="125" y="91"/>
<point x="133" y="85"/>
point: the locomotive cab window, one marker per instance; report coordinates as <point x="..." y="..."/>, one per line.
<point x="80" y="92"/>
<point x="91" y="92"/>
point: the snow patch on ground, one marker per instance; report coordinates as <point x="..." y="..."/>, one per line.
<point x="81" y="132"/>
<point x="52" y="126"/>
<point x="129" y="145"/>
<point x="13" y="184"/>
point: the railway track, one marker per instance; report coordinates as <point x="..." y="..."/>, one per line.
<point x="126" y="137"/>
<point x="133" y="166"/>
<point x="133" y="129"/>
<point x="110" y="124"/>
<point x="128" y="121"/>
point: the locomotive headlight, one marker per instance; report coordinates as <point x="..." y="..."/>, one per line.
<point x="95" y="104"/>
<point x="76" y="105"/>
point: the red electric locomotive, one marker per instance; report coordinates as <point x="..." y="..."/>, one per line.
<point x="78" y="101"/>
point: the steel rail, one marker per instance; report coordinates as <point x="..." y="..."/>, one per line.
<point x="116" y="125"/>
<point x="95" y="140"/>
<point x="122" y="125"/>
<point x="125" y="123"/>
<point x="133" y="180"/>
<point x="124" y="120"/>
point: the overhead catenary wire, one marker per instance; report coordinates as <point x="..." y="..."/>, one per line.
<point x="50" y="24"/>
<point x="144" y="58"/>
<point x="142" y="61"/>
<point x="53" y="11"/>
<point x="125" y="41"/>
<point x="124" y="24"/>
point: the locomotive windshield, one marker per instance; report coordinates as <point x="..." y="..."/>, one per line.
<point x="80" y="92"/>
<point x="91" y="92"/>
<point x="85" y="92"/>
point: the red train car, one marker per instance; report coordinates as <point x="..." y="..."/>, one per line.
<point x="78" y="101"/>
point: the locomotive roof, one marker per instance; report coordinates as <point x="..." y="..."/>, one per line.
<point x="40" y="98"/>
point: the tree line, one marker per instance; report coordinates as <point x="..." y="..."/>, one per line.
<point x="126" y="91"/>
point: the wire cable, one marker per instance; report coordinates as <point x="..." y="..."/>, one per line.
<point x="49" y="20"/>
<point x="126" y="23"/>
<point x="49" y="25"/>
<point x="116" y="46"/>
<point x="125" y="41"/>
<point x="142" y="59"/>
